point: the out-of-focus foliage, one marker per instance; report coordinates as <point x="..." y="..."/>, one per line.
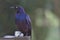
<point x="50" y="30"/>
<point x="52" y="18"/>
<point x="53" y="33"/>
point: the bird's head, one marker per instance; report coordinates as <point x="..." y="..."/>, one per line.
<point x="20" y="9"/>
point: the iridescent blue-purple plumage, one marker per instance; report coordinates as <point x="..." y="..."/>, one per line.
<point x="23" y="21"/>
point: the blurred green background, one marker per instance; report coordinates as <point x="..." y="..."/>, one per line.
<point x="44" y="15"/>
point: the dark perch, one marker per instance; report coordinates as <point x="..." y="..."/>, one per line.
<point x="20" y="38"/>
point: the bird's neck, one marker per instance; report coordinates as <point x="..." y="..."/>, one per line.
<point x="20" y="13"/>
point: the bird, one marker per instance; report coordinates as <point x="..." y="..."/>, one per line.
<point x="23" y="21"/>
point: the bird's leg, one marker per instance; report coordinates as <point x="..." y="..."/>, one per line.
<point x="26" y="34"/>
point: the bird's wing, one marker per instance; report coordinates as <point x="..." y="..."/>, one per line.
<point x="28" y="21"/>
<point x="28" y="18"/>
